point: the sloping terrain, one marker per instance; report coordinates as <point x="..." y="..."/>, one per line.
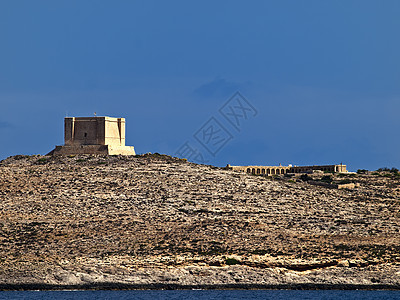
<point x="152" y="221"/>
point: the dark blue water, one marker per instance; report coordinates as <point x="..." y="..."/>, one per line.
<point x="206" y="295"/>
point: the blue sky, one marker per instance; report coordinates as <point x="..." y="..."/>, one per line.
<point x="323" y="76"/>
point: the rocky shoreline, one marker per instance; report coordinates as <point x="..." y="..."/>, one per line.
<point x="157" y="222"/>
<point x="160" y="286"/>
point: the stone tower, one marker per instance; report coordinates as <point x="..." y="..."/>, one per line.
<point x="94" y="135"/>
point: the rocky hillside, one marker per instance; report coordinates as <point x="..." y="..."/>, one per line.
<point x="152" y="221"/>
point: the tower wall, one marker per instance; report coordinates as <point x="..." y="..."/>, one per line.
<point x="94" y="131"/>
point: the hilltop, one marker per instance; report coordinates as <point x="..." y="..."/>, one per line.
<point x="154" y="221"/>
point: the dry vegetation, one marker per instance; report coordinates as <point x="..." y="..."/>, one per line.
<point x="153" y="219"/>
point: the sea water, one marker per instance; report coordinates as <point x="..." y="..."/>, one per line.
<point x="203" y="294"/>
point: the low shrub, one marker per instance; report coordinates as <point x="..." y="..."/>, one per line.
<point x="305" y="177"/>
<point x="362" y="171"/>
<point x="326" y="178"/>
<point x="345" y="181"/>
<point x="232" y="261"/>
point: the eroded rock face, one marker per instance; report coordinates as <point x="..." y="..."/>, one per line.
<point x="152" y="219"/>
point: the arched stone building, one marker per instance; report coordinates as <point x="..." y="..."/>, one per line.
<point x="278" y="170"/>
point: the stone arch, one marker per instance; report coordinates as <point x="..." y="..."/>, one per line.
<point x="263" y="171"/>
<point x="248" y="170"/>
<point x="253" y="171"/>
<point x="268" y="171"/>
<point x="258" y="171"/>
<point x="273" y="171"/>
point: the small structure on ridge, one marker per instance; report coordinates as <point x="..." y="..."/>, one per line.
<point x="273" y="170"/>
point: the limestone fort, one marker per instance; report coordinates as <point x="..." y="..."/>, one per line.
<point x="94" y="135"/>
<point x="276" y="170"/>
